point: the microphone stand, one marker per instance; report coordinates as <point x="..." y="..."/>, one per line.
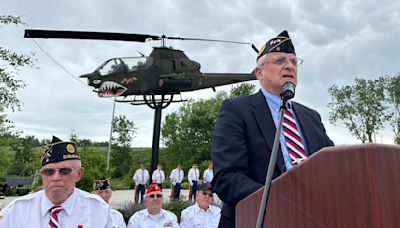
<point x="272" y="163"/>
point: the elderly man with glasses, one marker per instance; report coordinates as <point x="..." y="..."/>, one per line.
<point x="59" y="204"/>
<point x="245" y="130"/>
<point x="153" y="215"/>
<point x="202" y="213"/>
<point x="102" y="188"/>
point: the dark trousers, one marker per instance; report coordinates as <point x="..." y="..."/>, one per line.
<point x="177" y="191"/>
<point x="160" y="185"/>
<point x="141" y="189"/>
<point x="194" y="189"/>
<point x="225" y="222"/>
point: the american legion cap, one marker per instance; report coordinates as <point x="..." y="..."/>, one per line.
<point x="280" y="43"/>
<point x="58" y="151"/>
<point x="101" y="184"/>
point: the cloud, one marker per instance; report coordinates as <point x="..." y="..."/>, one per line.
<point x="339" y="41"/>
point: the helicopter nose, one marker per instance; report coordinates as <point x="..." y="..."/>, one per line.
<point x="91" y="75"/>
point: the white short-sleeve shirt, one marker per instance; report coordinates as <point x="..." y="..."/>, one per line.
<point x="194" y="216"/>
<point x="80" y="208"/>
<point x="142" y="219"/>
<point x="117" y="219"/>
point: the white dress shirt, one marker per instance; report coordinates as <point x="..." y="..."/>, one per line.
<point x="158" y="176"/>
<point x="142" y="219"/>
<point x="141" y="177"/>
<point x="194" y="216"/>
<point x="117" y="219"/>
<point x="193" y="175"/>
<point x="80" y="208"/>
<point x="176" y="176"/>
<point x="208" y="175"/>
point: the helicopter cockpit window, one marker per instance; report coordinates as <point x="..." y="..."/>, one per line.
<point x="137" y="63"/>
<point x="113" y="66"/>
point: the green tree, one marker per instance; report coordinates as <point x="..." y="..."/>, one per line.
<point x="10" y="62"/>
<point x="73" y="137"/>
<point x="187" y="133"/>
<point x="120" y="157"/>
<point x="95" y="165"/>
<point x="393" y="91"/>
<point x="360" y="107"/>
<point x="25" y="160"/>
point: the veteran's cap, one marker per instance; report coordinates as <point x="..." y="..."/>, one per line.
<point x="101" y="184"/>
<point x="205" y="186"/>
<point x="58" y="151"/>
<point x="280" y="43"/>
<point x="153" y="187"/>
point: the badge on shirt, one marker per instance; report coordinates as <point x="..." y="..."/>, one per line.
<point x="168" y="224"/>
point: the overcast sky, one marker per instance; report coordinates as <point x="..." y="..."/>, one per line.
<point x="338" y="40"/>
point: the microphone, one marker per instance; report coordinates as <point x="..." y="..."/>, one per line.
<point x="288" y="89"/>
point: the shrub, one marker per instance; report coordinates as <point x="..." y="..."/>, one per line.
<point x="185" y="185"/>
<point x="176" y="207"/>
<point x="129" y="209"/>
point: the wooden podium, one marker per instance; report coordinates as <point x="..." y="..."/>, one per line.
<point x="345" y="186"/>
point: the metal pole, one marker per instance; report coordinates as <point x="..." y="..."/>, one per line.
<point x="156" y="137"/>
<point x="271" y="167"/>
<point x="109" y="141"/>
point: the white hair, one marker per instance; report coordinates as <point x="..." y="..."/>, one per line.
<point x="261" y="60"/>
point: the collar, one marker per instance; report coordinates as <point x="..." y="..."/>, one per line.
<point x="197" y="209"/>
<point x="273" y="100"/>
<point x="147" y="214"/>
<point x="67" y="205"/>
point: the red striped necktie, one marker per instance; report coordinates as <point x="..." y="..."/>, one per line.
<point x="53" y="223"/>
<point x="293" y="140"/>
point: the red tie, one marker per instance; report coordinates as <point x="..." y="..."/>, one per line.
<point x="294" y="144"/>
<point x="53" y="223"/>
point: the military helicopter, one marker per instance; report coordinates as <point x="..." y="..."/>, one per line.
<point x="166" y="71"/>
<point x="156" y="78"/>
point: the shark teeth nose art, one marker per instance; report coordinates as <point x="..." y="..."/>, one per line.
<point x="111" y="89"/>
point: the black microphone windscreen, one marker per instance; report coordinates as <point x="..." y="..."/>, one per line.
<point x="288" y="90"/>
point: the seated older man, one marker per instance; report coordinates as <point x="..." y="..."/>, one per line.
<point x="202" y="213"/>
<point x="102" y="188"/>
<point x="153" y="215"/>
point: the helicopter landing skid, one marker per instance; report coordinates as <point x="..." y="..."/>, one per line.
<point x="154" y="101"/>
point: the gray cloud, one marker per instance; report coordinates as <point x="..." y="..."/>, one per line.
<point x="339" y="40"/>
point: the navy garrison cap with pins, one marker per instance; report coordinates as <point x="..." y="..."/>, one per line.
<point x="58" y="151"/>
<point x="280" y="43"/>
<point x="101" y="184"/>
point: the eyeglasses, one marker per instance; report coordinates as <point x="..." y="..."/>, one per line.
<point x="210" y="194"/>
<point x="283" y="60"/>
<point x="154" y="195"/>
<point x="49" y="171"/>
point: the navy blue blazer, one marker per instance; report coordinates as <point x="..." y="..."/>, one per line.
<point x="242" y="145"/>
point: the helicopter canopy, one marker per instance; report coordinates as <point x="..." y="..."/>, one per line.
<point x="124" y="65"/>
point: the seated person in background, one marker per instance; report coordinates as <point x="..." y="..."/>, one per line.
<point x="102" y="188"/>
<point x="202" y="213"/>
<point x="153" y="215"/>
<point x="59" y="204"/>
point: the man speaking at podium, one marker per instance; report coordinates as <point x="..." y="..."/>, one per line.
<point x="246" y="126"/>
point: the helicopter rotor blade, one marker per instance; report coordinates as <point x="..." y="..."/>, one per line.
<point x="209" y="40"/>
<point x="254" y="48"/>
<point x="60" y="34"/>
